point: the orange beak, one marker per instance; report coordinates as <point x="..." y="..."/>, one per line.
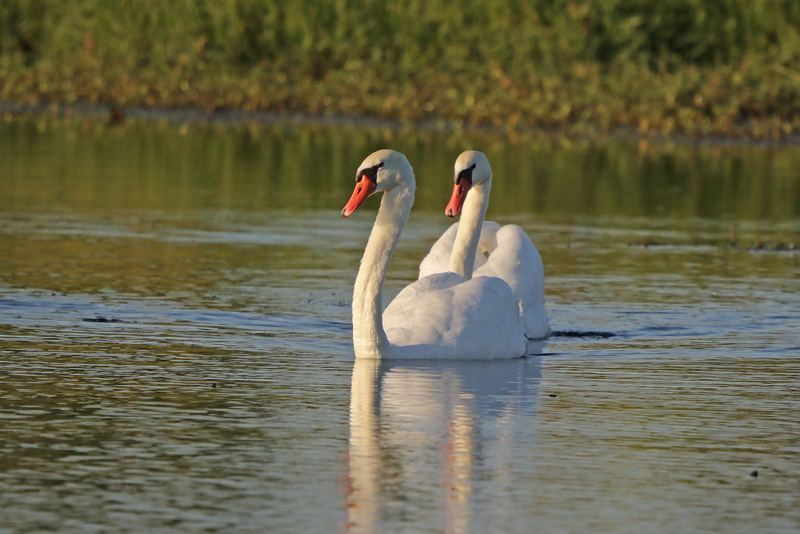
<point x="364" y="188"/>
<point x="457" y="200"/>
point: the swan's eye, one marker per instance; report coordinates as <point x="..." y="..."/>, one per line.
<point x="380" y="165"/>
<point x="370" y="174"/>
<point x="465" y="174"/>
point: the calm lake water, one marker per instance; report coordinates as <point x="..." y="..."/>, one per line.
<point x="175" y="350"/>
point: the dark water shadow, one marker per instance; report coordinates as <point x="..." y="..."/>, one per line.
<point x="583" y="334"/>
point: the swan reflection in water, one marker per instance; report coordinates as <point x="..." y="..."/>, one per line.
<point x="442" y="444"/>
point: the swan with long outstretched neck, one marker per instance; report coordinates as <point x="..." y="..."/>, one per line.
<point x="476" y="247"/>
<point x="441" y="316"/>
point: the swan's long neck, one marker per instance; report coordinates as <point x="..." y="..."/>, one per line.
<point x="369" y="337"/>
<point x="465" y="246"/>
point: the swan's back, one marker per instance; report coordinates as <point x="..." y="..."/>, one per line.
<point x="438" y="259"/>
<point x="444" y="316"/>
<point x="517" y="261"/>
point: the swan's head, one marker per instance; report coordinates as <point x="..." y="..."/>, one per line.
<point x="381" y="171"/>
<point x="471" y="168"/>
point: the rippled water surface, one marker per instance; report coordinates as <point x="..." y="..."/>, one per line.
<point x="175" y="350"/>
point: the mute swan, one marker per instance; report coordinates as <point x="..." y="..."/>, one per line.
<point x="441" y="316"/>
<point x="486" y="248"/>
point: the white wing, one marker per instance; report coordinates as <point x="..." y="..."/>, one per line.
<point x="438" y="258"/>
<point x="444" y="316"/>
<point x="516" y="260"/>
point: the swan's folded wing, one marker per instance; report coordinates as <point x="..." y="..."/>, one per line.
<point x="439" y="256"/>
<point x="410" y="296"/>
<point x="514" y="258"/>
<point x="487" y="242"/>
<point x="452" y="319"/>
<point x="517" y="261"/>
<point x="438" y="259"/>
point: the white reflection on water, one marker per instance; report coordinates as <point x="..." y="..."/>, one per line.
<point x="461" y="425"/>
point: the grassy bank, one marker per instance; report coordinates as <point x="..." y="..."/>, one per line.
<point x="722" y="67"/>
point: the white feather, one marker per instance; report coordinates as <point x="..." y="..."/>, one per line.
<point x="442" y="316"/>
<point x="504" y="252"/>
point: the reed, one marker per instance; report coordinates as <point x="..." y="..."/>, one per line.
<point x="698" y="67"/>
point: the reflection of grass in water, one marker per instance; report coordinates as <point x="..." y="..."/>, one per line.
<point x="691" y="66"/>
<point x="98" y="169"/>
<point x="758" y="246"/>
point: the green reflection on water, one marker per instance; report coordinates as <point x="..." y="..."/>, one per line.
<point x="164" y="224"/>
<point x="118" y="206"/>
<point x="87" y="166"/>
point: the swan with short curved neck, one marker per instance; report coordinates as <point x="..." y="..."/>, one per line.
<point x="477" y="247"/>
<point x="439" y="316"/>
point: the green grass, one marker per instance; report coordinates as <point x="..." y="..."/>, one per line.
<point x="714" y="67"/>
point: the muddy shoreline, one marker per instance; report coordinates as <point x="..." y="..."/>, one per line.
<point x="115" y="114"/>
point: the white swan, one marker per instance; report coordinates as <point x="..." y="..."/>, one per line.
<point x="487" y="249"/>
<point x="441" y="316"/>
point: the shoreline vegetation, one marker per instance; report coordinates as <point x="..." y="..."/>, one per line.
<point x="724" y="69"/>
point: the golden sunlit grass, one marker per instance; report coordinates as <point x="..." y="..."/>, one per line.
<point x="675" y="67"/>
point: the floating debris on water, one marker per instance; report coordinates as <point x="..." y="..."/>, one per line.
<point x="101" y="319"/>
<point x="759" y="246"/>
